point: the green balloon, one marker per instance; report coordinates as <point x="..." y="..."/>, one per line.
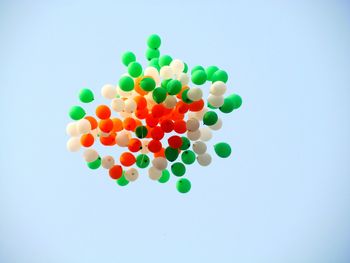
<point x="188" y="157"/>
<point x="86" y="95"/>
<point x="128" y="57"/>
<point x="148" y="84"/>
<point x="122" y="181"/>
<point x="76" y="113"/>
<point x="142" y="161"/>
<point x="195" y="68"/>
<point x="185" y="97"/>
<point x="174" y="86"/>
<point x="165" y="60"/>
<point x="159" y="94"/>
<point x="231" y="103"/>
<point x="237" y="100"/>
<point x="141" y="132"/>
<point x="154" y="41"/>
<point x="165" y="82"/>
<point x="135" y="69"/>
<point x="210" y="71"/>
<point x="185" y="68"/>
<point x="95" y="164"/>
<point x="165" y="176"/>
<point x="199" y="77"/>
<point x="154" y="62"/>
<point x="152" y="53"/>
<point x="183" y="185"/>
<point x="171" y="154"/>
<point x="185" y="143"/>
<point x="220" y="75"/>
<point x="222" y="149"/>
<point x="210" y="118"/>
<point x="178" y="169"/>
<point x="126" y="83"/>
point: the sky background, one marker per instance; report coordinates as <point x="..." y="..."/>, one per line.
<point x="282" y="197"/>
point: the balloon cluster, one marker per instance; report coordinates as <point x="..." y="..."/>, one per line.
<point x="163" y="122"/>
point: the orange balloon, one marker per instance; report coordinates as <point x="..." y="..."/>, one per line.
<point x="161" y="153"/>
<point x="134" y="145"/>
<point x="106" y="125"/>
<point x="103" y="112"/>
<point x="127" y="159"/>
<point x="92" y="121"/>
<point x="129" y="124"/>
<point x="108" y="140"/>
<point x="117" y="124"/>
<point x="141" y="102"/>
<point x="87" y="140"/>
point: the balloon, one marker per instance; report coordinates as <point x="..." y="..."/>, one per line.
<point x="142" y="161"/>
<point x="134" y="69"/>
<point x="95" y="164"/>
<point x="76" y="113"/>
<point x="128" y="57"/>
<point x="222" y="149"/>
<point x="183" y="78"/>
<point x="165" y="60"/>
<point x="194" y="135"/>
<point x="165" y="176"/>
<point x="159" y="94"/>
<point x="83" y="126"/>
<point x="195" y="68"/>
<point x="177" y="66"/>
<point x="231" y="103"/>
<point x="152" y="53"/>
<point x="185" y="143"/>
<point x="183" y="185"/>
<point x="210" y="118"/>
<point x="178" y="169"/>
<point x="103" y="112"/>
<point x="73" y="144"/>
<point x="130" y="105"/>
<point x="148" y="84"/>
<point x="171" y="154"/>
<point x="117" y="104"/>
<point x="188" y="157"/>
<point x="195" y="94"/>
<point x="199" y="77"/>
<point x="192" y="124"/>
<point x="204" y="159"/>
<point x="131" y="174"/>
<point x="174" y="87"/>
<point x="71" y="129"/>
<point x="215" y="101"/>
<point x="122" y="181"/>
<point x="126" y="83"/>
<point x="160" y="163"/>
<point x="166" y="72"/>
<point x="153" y="73"/>
<point x="154" y="41"/>
<point x="170" y="102"/>
<point x="154" y="173"/>
<point x="217" y="125"/>
<point x="199" y="147"/>
<point x="210" y="71"/>
<point x="109" y="91"/>
<point x="86" y="95"/>
<point x="218" y="88"/>
<point x="206" y="134"/>
<point x="220" y="75"/>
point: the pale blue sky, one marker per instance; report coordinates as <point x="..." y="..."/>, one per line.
<point x="282" y="197"/>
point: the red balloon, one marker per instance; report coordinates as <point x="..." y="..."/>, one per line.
<point x="154" y="146"/>
<point x="175" y="141"/>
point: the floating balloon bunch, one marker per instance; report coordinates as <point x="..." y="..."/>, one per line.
<point x="163" y="122"/>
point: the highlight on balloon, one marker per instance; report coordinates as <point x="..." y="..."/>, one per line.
<point x="156" y="117"/>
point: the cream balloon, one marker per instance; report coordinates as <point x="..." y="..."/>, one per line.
<point x="90" y="155"/>
<point x="71" y="129"/>
<point x="195" y="93"/>
<point x="117" y="104"/>
<point x="218" y="88"/>
<point x="130" y="105"/>
<point x="217" y="125"/>
<point x="199" y="147"/>
<point x="204" y="159"/>
<point x="107" y="162"/>
<point x="206" y="133"/>
<point x="192" y="124"/>
<point x="152" y="72"/>
<point x="131" y="174"/>
<point x="194" y="135"/>
<point x="166" y="72"/>
<point x="216" y="101"/>
<point x="170" y="102"/>
<point x="83" y="126"/>
<point x="154" y="173"/>
<point x="160" y="163"/>
<point x="109" y="91"/>
<point x="122" y="138"/>
<point x="73" y="144"/>
<point x="183" y="78"/>
<point x="177" y="66"/>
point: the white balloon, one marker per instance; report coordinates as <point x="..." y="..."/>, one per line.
<point x="154" y="173"/>
<point x="124" y="94"/>
<point x="217" y="125"/>
<point x="204" y="159"/>
<point x="194" y="135"/>
<point x="83" y="126"/>
<point x="218" y="88"/>
<point x="107" y="162"/>
<point x="144" y="149"/>
<point x="109" y="91"/>
<point x="199" y="114"/>
<point x="183" y="78"/>
<point x="152" y="72"/>
<point x="195" y="93"/>
<point x="199" y="147"/>
<point x="166" y="72"/>
<point x="206" y="133"/>
<point x="177" y="66"/>
<point x="122" y="138"/>
<point x="73" y="144"/>
<point x="160" y="163"/>
<point x="170" y="102"/>
<point x="130" y="105"/>
<point x="216" y="101"/>
<point x="192" y="124"/>
<point x="71" y="129"/>
<point x="131" y="174"/>
<point x="90" y="155"/>
<point x="117" y="104"/>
